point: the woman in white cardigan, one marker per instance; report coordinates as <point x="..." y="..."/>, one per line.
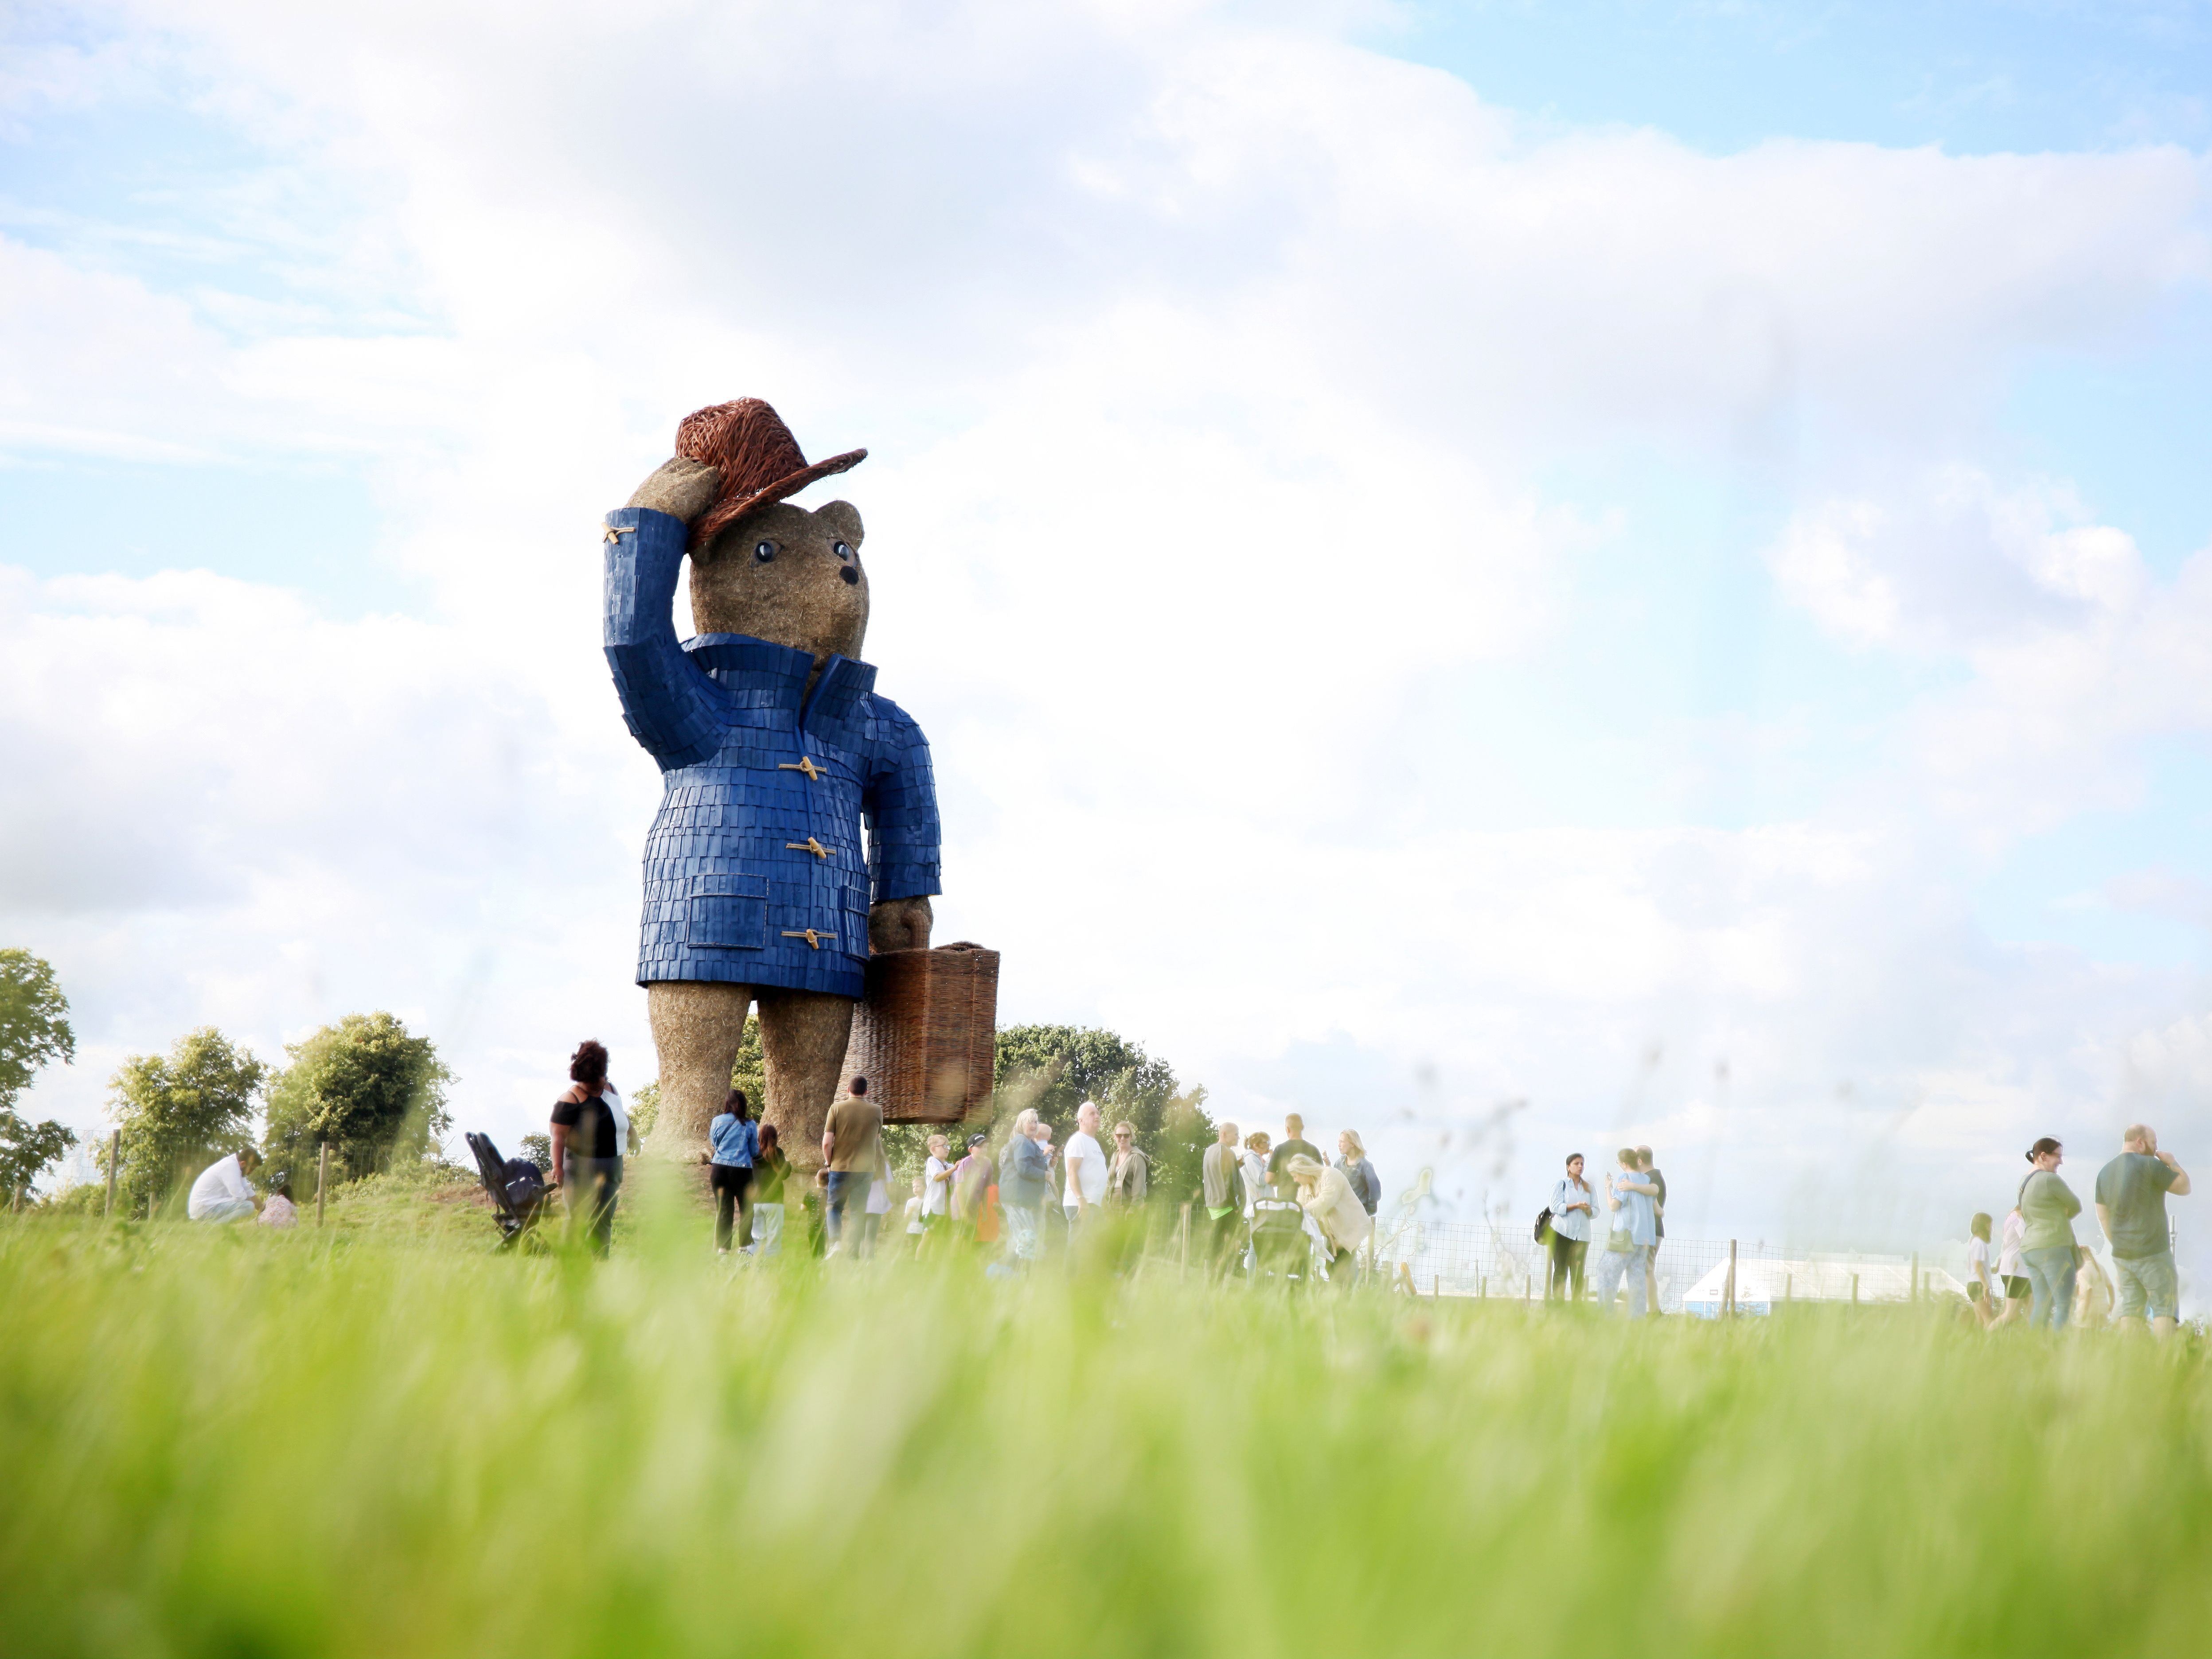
<point x="1327" y="1197"/>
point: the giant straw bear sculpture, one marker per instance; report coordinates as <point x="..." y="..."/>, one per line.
<point x="773" y="748"/>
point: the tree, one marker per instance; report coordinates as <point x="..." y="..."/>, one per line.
<point x="33" y="1025"/>
<point x="1055" y="1068"/>
<point x="26" y="1150"/>
<point x="33" y="1030"/>
<point x="178" y="1112"/>
<point x="368" y="1086"/>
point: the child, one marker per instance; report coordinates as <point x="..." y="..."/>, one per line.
<point x="2011" y="1270"/>
<point x="1981" y="1288"/>
<point x="2093" y="1291"/>
<point x="914" y="1230"/>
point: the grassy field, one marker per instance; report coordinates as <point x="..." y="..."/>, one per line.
<point x="380" y="1439"/>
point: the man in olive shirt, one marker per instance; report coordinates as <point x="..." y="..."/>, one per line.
<point x="851" y="1140"/>
<point x="2131" y="1209"/>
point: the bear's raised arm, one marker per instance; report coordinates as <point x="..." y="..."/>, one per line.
<point x="670" y="705"/>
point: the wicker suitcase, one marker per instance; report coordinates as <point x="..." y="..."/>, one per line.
<point x="926" y="1034"/>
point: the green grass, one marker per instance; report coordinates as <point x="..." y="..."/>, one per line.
<point x="380" y="1439"/>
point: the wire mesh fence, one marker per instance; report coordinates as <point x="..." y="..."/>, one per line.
<point x="1443" y="1258"/>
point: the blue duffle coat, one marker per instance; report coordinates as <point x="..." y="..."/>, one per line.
<point x="754" y="872"/>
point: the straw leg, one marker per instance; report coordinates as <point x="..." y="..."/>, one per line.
<point x="803" y="1035"/>
<point x="697" y="1030"/>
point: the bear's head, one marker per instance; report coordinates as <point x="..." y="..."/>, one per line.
<point x="783" y="574"/>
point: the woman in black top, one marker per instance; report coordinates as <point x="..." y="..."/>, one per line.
<point x="587" y="1151"/>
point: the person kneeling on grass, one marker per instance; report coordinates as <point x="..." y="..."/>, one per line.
<point x="1326" y="1195"/>
<point x="223" y="1193"/>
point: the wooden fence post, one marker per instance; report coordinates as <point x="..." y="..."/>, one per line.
<point x="1186" y="1238"/>
<point x="1854" y="1289"/>
<point x="1729" y="1303"/>
<point x="115" y="1157"/>
<point x="322" y="1178"/>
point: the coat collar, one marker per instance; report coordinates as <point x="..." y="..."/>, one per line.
<point x="762" y="674"/>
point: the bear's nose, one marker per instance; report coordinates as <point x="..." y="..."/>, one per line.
<point x="851" y="575"/>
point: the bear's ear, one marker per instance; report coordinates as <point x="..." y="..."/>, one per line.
<point x="844" y="517"/>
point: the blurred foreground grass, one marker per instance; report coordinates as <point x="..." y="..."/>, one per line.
<point x="380" y="1439"/>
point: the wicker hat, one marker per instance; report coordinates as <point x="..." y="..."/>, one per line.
<point x="759" y="461"/>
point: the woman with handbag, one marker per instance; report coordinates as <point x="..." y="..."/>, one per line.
<point x="1572" y="1205"/>
<point x="2049" y="1207"/>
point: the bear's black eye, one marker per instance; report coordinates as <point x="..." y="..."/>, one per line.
<point x="842" y="551"/>
<point x="764" y="551"/>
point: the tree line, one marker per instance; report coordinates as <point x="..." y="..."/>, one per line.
<point x="365" y="1086"/>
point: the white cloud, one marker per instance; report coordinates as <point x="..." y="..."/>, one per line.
<point x="2075" y="655"/>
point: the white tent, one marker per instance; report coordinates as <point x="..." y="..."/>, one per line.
<point x="1762" y="1285"/>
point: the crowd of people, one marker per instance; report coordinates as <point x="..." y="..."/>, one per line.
<point x="2046" y="1277"/>
<point x="1001" y="1206"/>
<point x="2042" y="1275"/>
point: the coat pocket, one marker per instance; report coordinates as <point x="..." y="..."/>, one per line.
<point x="727" y="911"/>
<point x="856" y="922"/>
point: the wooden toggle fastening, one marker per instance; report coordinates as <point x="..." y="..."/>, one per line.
<point x="617" y="531"/>
<point x="804" y="763"/>
<point x="813" y="938"/>
<point x="809" y="845"/>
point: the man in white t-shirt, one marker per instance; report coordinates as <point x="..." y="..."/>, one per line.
<point x="1086" y="1169"/>
<point x="223" y="1193"/>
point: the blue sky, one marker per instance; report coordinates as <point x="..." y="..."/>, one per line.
<point x="1685" y="521"/>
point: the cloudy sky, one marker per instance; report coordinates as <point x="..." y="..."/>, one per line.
<point x="1650" y="561"/>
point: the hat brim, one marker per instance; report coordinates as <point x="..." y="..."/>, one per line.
<point x="722" y="515"/>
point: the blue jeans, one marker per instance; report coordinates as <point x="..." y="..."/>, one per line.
<point x="846" y="1187"/>
<point x="2051" y="1282"/>
<point x="1614" y="1266"/>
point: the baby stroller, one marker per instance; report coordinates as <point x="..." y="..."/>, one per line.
<point x="1281" y="1249"/>
<point x="518" y="1192"/>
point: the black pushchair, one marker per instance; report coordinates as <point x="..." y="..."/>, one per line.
<point x="1281" y="1249"/>
<point x="519" y="1194"/>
